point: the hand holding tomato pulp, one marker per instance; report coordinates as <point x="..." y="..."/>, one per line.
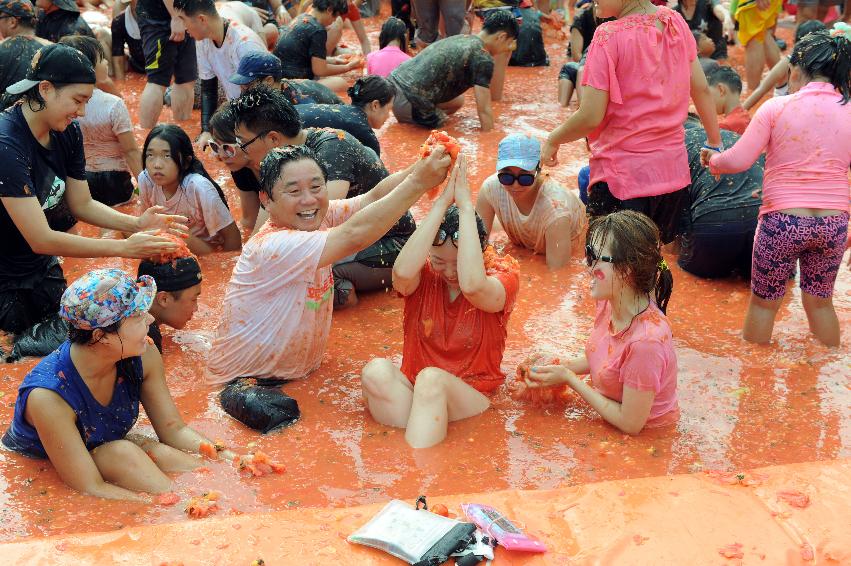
<point x="450" y="144"/>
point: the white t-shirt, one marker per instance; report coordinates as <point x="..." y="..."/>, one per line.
<point x="222" y="62"/>
<point x="196" y="199"/>
<point x="278" y="303"/>
<point x="131" y="25"/>
<point x="106" y="117"/>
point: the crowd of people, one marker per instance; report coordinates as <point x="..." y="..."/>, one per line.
<point x="322" y="220"/>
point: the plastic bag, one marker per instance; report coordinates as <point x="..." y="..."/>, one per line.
<point x="40" y="339"/>
<point x="261" y="406"/>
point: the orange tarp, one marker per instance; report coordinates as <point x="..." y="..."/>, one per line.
<point x="791" y="514"/>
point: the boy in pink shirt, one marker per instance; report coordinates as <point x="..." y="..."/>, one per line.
<point x="638" y="74"/>
<point x="393" y="49"/>
<point x="630" y="353"/>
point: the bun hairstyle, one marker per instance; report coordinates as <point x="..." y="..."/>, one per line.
<point x="637" y="250"/>
<point x="369" y="88"/>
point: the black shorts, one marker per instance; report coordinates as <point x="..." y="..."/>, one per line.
<point x="36" y="300"/>
<point x="669" y="211"/>
<point x="110" y="187"/>
<point x="165" y="59"/>
<point x="569" y="71"/>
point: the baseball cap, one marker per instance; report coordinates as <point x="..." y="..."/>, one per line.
<point x="257" y="65"/>
<point x="59" y="64"/>
<point x="22" y="9"/>
<point x="102" y="297"/>
<point x="518" y="150"/>
<point x="67" y="5"/>
<point x="177" y="275"/>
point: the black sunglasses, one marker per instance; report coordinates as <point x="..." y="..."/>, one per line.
<point x="591" y="256"/>
<point x="441" y="237"/>
<point x="523" y="179"/>
<point x="244" y="146"/>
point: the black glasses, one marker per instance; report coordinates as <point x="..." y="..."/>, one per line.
<point x="244" y="146"/>
<point x="441" y="237"/>
<point x="523" y="179"/>
<point x="591" y="256"/>
<point x="224" y="149"/>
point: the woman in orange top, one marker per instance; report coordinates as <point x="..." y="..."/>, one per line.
<point x="458" y="296"/>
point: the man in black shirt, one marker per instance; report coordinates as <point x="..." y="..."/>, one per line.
<point x="432" y="84"/>
<point x="60" y="18"/>
<point x="17" y="26"/>
<point x="125" y="32"/>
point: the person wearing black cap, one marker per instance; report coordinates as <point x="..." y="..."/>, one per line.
<point x="178" y="289"/>
<point x="258" y="68"/>
<point x="43" y="191"/>
<point x="60" y="18"/>
<point x="17" y="25"/>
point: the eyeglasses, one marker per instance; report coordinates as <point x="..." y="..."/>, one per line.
<point x="224" y="149"/>
<point x="591" y="256"/>
<point x="244" y="146"/>
<point x="523" y="179"/>
<point x="441" y="237"/>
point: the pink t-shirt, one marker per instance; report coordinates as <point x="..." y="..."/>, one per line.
<point x="384" y="61"/>
<point x="277" y="307"/>
<point x="641" y="356"/>
<point x="805" y="137"/>
<point x="639" y="147"/>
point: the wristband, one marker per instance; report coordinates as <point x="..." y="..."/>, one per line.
<point x="719" y="149"/>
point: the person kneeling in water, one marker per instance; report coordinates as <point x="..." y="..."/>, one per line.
<point x="178" y="288"/>
<point x="458" y="297"/>
<point x="78" y="404"/>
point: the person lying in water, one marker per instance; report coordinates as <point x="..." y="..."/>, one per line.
<point x="458" y="297"/>
<point x="630" y="353"/>
<point x="78" y="404"/>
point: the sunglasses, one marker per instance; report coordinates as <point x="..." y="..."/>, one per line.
<point x="224" y="149"/>
<point x="244" y="146"/>
<point x="441" y="237"/>
<point x="591" y="256"/>
<point x="523" y="179"/>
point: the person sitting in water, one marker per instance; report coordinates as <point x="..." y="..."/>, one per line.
<point x="458" y="297"/>
<point x="536" y="211"/>
<point x="286" y="266"/>
<point x="630" y="353"/>
<point x="78" y="404"/>
<point x="432" y="84"/>
<point x="725" y="84"/>
<point x="392" y="48"/>
<point x="178" y="288"/>
<point x="259" y="68"/>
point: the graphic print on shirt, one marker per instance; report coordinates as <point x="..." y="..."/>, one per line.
<point x="316" y="296"/>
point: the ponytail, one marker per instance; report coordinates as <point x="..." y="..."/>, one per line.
<point x="664" y="286"/>
<point x="369" y="88"/>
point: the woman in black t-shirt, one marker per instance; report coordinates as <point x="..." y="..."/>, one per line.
<point x="43" y="189"/>
<point x="711" y="18"/>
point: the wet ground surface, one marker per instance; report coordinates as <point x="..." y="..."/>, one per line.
<point x="742" y="406"/>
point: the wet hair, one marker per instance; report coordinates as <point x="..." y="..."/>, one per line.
<point x="223" y="124"/>
<point x="634" y="244"/>
<point x="194" y="7"/>
<point x="807" y="28"/>
<point x="727" y="76"/>
<point x="393" y="29"/>
<point x="33" y="97"/>
<point x="338" y="7"/>
<point x="452" y="223"/>
<point x="821" y="54"/>
<point x="266" y="109"/>
<point x="369" y="88"/>
<point x="182" y="153"/>
<point x="274" y="162"/>
<point x="501" y="20"/>
<point x="88" y="46"/>
<point x="86" y="338"/>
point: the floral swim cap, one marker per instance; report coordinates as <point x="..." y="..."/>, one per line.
<point x="102" y="297"/>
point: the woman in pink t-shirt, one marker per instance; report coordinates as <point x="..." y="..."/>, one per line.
<point x="639" y="72"/>
<point x="804" y="213"/>
<point x="393" y="49"/>
<point x="630" y="353"/>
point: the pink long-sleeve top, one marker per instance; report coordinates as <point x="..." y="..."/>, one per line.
<point x="807" y="147"/>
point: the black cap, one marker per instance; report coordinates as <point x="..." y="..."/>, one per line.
<point x="177" y="275"/>
<point x="58" y="64"/>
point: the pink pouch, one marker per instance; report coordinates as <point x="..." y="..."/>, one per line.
<point x="497" y="526"/>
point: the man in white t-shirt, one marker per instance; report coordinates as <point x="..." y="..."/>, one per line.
<point x="278" y="303"/>
<point x="219" y="45"/>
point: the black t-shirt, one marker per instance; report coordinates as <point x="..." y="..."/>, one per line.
<point x="120" y="38"/>
<point x="445" y="69"/>
<point x="298" y="45"/>
<point x="586" y="24"/>
<point x="16" y="54"/>
<point x="344" y="117"/>
<point x="530" y="50"/>
<point x="731" y="192"/>
<point x="58" y="24"/>
<point x="705" y="20"/>
<point x="346" y="159"/>
<point x="306" y="91"/>
<point x="152" y="10"/>
<point x="155" y="334"/>
<point x="246" y="180"/>
<point x="29" y="170"/>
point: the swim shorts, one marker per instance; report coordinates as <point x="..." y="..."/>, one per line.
<point x="164" y="58"/>
<point x="669" y="211"/>
<point x="782" y="240"/>
<point x="569" y="71"/>
<point x="753" y="22"/>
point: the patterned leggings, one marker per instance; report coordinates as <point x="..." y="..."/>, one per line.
<point x="782" y="240"/>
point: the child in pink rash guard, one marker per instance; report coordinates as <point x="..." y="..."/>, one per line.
<point x="639" y="73"/>
<point x="804" y="214"/>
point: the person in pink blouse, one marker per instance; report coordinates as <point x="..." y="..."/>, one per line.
<point x="630" y="353"/>
<point x="639" y="72"/>
<point x="804" y="214"/>
<point x="393" y="48"/>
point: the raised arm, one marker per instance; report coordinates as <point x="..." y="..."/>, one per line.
<point x="777" y="73"/>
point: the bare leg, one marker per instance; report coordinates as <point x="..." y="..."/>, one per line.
<point x="754" y="62"/>
<point x="387" y="392"/>
<point x="151" y="105"/>
<point x="334" y="83"/>
<point x="579" y="84"/>
<point x="124" y="464"/>
<point x="166" y="458"/>
<point x="822" y="318"/>
<point x="360" y="31"/>
<point x="772" y="51"/>
<point x="759" y="320"/>
<point x="182" y="97"/>
<point x="565" y="91"/>
<point x="806" y="13"/>
<point x="453" y="105"/>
